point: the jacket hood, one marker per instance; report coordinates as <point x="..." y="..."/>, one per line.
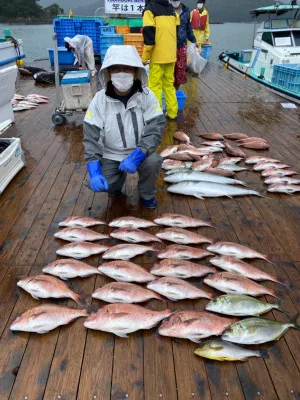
<point x="122" y="55"/>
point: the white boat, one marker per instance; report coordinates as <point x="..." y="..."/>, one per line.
<point x="274" y="59"/>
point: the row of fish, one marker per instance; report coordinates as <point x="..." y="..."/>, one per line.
<point x="21" y="103"/>
<point x="122" y="319"/>
<point x="183" y="161"/>
<point x="276" y="175"/>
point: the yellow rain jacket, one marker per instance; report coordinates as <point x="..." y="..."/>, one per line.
<point x="160" y="32"/>
<point x="203" y="32"/>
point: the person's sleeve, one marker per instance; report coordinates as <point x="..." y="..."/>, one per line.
<point x="93" y="133"/>
<point x="207" y="29"/>
<point x="154" y="125"/>
<point x="190" y="33"/>
<point x="149" y="31"/>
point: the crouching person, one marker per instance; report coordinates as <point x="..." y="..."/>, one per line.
<point x="123" y="127"/>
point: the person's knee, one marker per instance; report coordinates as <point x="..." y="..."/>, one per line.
<point x="153" y="162"/>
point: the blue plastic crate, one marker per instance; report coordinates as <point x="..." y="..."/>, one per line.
<point x="78" y="26"/>
<point x="107" y="29"/>
<point x="65" y="57"/>
<point x="109" y="39"/>
<point x="286" y="75"/>
<point x="206" y="51"/>
<point x="181" y="97"/>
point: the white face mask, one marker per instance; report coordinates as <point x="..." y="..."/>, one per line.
<point x="122" y="81"/>
<point x="175" y="4"/>
<point x="199" y="6"/>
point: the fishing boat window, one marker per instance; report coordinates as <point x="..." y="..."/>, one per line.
<point x="267" y="37"/>
<point x="282" y="39"/>
<point x="296" y="35"/>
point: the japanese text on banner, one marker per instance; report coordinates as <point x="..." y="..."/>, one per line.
<point x="124" y="6"/>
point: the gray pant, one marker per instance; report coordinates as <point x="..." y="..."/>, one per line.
<point x="148" y="173"/>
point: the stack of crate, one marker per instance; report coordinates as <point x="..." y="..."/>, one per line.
<point x="136" y="40"/>
<point x="122" y="29"/>
<point x="107" y="40"/>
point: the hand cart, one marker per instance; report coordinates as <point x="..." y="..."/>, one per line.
<point x="77" y="97"/>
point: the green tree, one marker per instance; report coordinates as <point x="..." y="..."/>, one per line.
<point x="53" y="11"/>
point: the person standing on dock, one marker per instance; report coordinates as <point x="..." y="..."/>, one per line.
<point x="160" y="23"/>
<point x="82" y="46"/>
<point x="200" y="23"/>
<point x="184" y="34"/>
<point x="123" y="127"/>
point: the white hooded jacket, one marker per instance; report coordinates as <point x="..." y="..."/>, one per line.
<point x="113" y="131"/>
<point x="83" y="48"/>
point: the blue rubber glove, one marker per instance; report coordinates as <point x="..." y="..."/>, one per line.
<point x="132" y="162"/>
<point x="97" y="181"/>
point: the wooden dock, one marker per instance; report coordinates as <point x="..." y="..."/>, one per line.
<point x="74" y="363"/>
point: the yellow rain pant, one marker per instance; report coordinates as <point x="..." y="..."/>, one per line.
<point x="161" y="79"/>
<point x="200" y="37"/>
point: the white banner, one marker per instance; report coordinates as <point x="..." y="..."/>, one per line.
<point x="124" y="6"/>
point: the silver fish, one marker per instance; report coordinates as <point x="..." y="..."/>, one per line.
<point x="240" y="305"/>
<point x="210" y="189"/>
<point x="222" y="351"/>
<point x="256" y="331"/>
<point x="198" y="176"/>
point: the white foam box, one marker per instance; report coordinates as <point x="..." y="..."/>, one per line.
<point x="12" y="160"/>
<point x="6" y="112"/>
<point x="77" y="97"/>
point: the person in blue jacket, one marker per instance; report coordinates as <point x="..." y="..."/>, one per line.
<point x="184" y="33"/>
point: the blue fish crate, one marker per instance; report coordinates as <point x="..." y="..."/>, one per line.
<point x="206" y="51"/>
<point x="181" y="97"/>
<point x="107" y="29"/>
<point x="65" y="57"/>
<point x="78" y="26"/>
<point x="287" y="75"/>
<point x="109" y="39"/>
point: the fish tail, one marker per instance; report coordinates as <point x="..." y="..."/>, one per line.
<point x="263" y="353"/>
<point x="92" y="308"/>
<point x="275" y="293"/>
<point x="280" y="308"/>
<point x="284" y="282"/>
<point x="266" y="258"/>
<point x="294" y="321"/>
<point x="156" y="247"/>
<point x="82" y="300"/>
<point x="263" y="194"/>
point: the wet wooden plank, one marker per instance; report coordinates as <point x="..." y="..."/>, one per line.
<point x="19" y="232"/>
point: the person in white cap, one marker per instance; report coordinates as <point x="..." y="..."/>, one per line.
<point x="123" y="127"/>
<point x="82" y="46"/>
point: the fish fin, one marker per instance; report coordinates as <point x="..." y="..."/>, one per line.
<point x="42" y="331"/>
<point x="64" y="278"/>
<point x="193" y="339"/>
<point x="263" y="353"/>
<point x="198" y="196"/>
<point x="122" y="335"/>
<point x="230" y="197"/>
<point x="35" y="297"/>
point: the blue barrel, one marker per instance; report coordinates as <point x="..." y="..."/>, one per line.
<point x="206" y="51"/>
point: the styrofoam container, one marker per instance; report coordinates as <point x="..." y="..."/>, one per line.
<point x="77" y="97"/>
<point x="11" y="161"/>
<point x="6" y="112"/>
<point x="8" y="78"/>
<point x="9" y="55"/>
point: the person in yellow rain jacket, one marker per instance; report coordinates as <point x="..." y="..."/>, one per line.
<point x="160" y="23"/>
<point x="200" y="23"/>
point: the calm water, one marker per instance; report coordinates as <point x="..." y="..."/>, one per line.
<point x="36" y="38"/>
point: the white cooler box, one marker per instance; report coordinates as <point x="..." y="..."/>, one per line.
<point x="77" y="90"/>
<point x="9" y="54"/>
<point x="8" y="78"/>
<point x="11" y="161"/>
